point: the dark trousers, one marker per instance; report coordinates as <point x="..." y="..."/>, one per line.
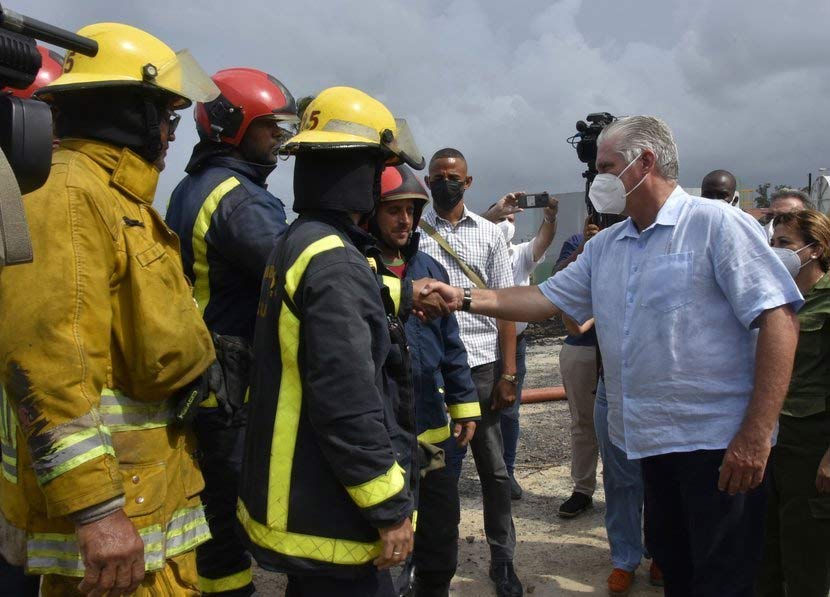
<point x="488" y="452"/>
<point x="223" y="563"/>
<point x="376" y="584"/>
<point x="14" y="582"/>
<point x="706" y="542"/>
<point x="797" y="538"/>
<point x="436" y="535"/>
<point x="510" y="416"/>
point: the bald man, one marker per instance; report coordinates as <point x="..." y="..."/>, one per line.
<point x="719" y="184"/>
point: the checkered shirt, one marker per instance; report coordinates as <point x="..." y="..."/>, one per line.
<point x="481" y="245"/>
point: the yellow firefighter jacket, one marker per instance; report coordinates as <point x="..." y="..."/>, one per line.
<point x="97" y="334"/>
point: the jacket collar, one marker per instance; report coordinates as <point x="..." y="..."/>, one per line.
<point x="256" y="173"/>
<point x="208" y="154"/>
<point x="126" y="170"/>
<point x="823" y="283"/>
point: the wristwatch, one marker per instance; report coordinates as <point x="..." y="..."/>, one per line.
<point x="511" y="378"/>
<point x="467" y="301"/>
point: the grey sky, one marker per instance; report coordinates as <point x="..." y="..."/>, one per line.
<point x="741" y="83"/>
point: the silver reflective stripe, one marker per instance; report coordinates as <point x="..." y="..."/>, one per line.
<point x="55" y="553"/>
<point x="351" y="128"/>
<point x="8" y="439"/>
<point x="9" y="457"/>
<point x="70" y="452"/>
<point x="120" y="413"/>
<point x="187" y="529"/>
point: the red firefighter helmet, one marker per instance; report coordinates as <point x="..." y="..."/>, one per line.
<point x="399" y="182"/>
<point x="246" y="94"/>
<point x="51" y="68"/>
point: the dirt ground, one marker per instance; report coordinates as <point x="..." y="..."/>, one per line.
<point x="553" y="556"/>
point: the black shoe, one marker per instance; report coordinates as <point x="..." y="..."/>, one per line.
<point x="505" y="579"/>
<point x="575" y="505"/>
<point x="515" y="489"/>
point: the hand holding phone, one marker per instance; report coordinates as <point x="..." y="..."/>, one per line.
<point x="534" y="200"/>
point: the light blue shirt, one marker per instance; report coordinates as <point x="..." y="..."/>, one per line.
<point x="674" y="309"/>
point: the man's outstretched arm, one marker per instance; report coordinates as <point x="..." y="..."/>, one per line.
<point x="520" y="303"/>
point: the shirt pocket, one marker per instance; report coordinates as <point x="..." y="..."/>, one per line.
<point x="667" y="281"/>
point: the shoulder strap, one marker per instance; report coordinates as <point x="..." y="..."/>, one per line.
<point x="15" y="243"/>
<point x="442" y="242"/>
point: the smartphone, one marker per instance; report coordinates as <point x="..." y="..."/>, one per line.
<point x="534" y="200"/>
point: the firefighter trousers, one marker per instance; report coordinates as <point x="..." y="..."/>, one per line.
<point x="436" y="535"/>
<point x="223" y="562"/>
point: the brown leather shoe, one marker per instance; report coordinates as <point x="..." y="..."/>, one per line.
<point x="620" y="581"/>
<point x="655" y="575"/>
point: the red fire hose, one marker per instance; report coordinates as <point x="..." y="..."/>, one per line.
<point x="533" y="395"/>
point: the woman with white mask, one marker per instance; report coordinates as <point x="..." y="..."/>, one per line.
<point x="797" y="535"/>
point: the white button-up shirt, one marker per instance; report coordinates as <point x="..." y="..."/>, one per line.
<point x="481" y="245"/>
<point x="521" y="259"/>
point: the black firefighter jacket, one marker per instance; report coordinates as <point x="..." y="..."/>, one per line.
<point x="331" y="433"/>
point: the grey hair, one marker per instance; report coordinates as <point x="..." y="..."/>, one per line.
<point x="786" y="193"/>
<point x="634" y="134"/>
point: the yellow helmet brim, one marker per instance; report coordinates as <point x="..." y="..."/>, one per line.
<point x="319" y="139"/>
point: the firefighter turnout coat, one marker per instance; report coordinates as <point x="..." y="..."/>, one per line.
<point x="227" y="222"/>
<point x="331" y="444"/>
<point x="442" y="380"/>
<point x="98" y="333"/>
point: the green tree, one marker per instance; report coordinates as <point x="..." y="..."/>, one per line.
<point x="762" y="200"/>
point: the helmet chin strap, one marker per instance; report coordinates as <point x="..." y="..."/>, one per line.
<point x="152" y="142"/>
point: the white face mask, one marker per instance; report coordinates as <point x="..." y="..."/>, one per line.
<point x="607" y="192"/>
<point x="508" y="229"/>
<point x="791" y="259"/>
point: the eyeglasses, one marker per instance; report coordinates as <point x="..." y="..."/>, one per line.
<point x="173" y="119"/>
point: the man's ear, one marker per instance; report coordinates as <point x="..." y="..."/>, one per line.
<point x="468" y="182"/>
<point x="649" y="161"/>
<point x="426" y="180"/>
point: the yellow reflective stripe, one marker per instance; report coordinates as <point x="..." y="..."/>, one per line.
<point x="393" y="283"/>
<point x="71" y="452"/>
<point x="464" y="410"/>
<point x="231" y="582"/>
<point x="201" y="282"/>
<point x="297" y="269"/>
<point x="120" y="413"/>
<point x="213" y="402"/>
<point x="76" y="462"/>
<point x="8" y="439"/>
<point x="323" y="549"/>
<point x="187" y="529"/>
<point x="9" y="465"/>
<point x="287" y="419"/>
<point x="378" y="490"/>
<point x="57" y="553"/>
<point x="435" y="436"/>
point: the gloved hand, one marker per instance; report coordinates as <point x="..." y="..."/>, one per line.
<point x="189" y="398"/>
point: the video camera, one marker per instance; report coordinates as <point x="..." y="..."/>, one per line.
<point x="585" y="143"/>
<point x="25" y="124"/>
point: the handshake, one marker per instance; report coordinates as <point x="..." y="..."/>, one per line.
<point x="432" y="299"/>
